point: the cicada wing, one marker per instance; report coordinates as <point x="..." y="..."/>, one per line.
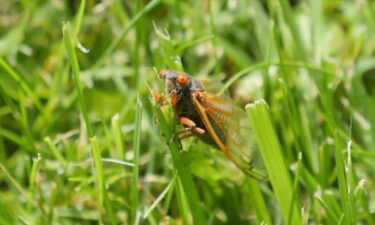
<point x="230" y="128"/>
<point x="212" y="86"/>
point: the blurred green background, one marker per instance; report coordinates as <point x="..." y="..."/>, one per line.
<point x="77" y="147"/>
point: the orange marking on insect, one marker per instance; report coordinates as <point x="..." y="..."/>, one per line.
<point x="188" y="122"/>
<point x="191" y="125"/>
<point x="216" y="117"/>
<point x="218" y="112"/>
<point x="216" y="104"/>
<point x="199" y="130"/>
<point x="228" y="137"/>
<point x="211" y="130"/>
<point x="174" y="100"/>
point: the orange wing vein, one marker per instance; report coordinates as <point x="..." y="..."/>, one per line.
<point x="230" y="128"/>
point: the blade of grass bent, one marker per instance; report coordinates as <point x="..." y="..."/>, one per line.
<point x="12" y="136"/>
<point x="17" y="185"/>
<point x="159" y="198"/>
<point x="23" y="84"/>
<point x="272" y="156"/>
<point x="54" y="150"/>
<point x="95" y="150"/>
<point x="72" y="57"/>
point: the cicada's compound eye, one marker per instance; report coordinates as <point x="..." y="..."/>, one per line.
<point x="182" y="79"/>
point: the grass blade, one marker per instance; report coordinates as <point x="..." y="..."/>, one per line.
<point x="342" y="180"/>
<point x="274" y="160"/>
<point x="99" y="175"/>
<point x="54" y="150"/>
<point x="136" y="146"/>
<point x="23" y="84"/>
<point x="117" y="135"/>
<point x="167" y="124"/>
<point x="79" y="17"/>
<point x="17" y="185"/>
<point x="257" y="199"/>
<point x="117" y="161"/>
<point x="33" y="178"/>
<point x="72" y="57"/>
<point x="159" y="198"/>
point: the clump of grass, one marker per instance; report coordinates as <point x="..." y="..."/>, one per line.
<point x="81" y="141"/>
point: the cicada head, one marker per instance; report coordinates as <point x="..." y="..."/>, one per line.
<point x="178" y="82"/>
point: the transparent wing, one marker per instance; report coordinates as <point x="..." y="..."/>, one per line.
<point x="213" y="86"/>
<point x="230" y="128"/>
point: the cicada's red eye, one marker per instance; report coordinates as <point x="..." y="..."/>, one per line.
<point x="183" y="79"/>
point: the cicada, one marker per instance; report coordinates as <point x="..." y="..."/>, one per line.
<point x="214" y="119"/>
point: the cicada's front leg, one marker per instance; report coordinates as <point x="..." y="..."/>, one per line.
<point x="158" y="97"/>
<point x="189" y="126"/>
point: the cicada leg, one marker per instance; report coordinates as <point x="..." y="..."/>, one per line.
<point x="189" y="126"/>
<point x="158" y="97"/>
<point x="196" y="131"/>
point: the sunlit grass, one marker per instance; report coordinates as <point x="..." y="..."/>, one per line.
<point x="82" y="140"/>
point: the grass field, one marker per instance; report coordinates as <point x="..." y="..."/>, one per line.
<point x="83" y="142"/>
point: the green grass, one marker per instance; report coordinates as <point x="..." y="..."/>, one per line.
<point x="135" y="186"/>
<point x="274" y="162"/>
<point x="82" y="141"/>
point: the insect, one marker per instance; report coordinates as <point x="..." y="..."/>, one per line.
<point x="214" y="119"/>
